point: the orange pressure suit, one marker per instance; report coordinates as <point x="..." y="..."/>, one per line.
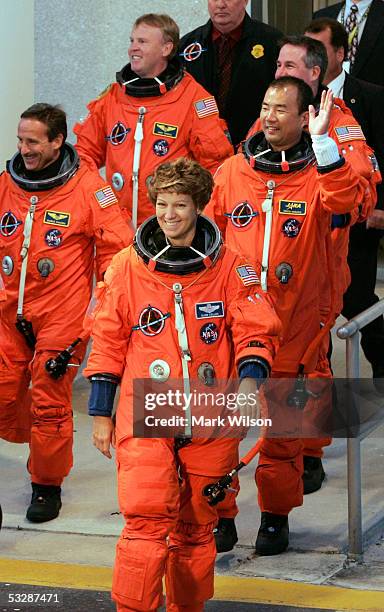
<point x="73" y="213"/>
<point x="134" y="328"/>
<point x="177" y="118"/>
<point x="303" y="199"/>
<point x="347" y="134"/>
<point x="349" y="137"/>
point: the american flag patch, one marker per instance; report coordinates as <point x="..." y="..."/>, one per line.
<point x="349" y="132"/>
<point x="206" y="107"/>
<point x="105" y="197"/>
<point x="248" y="275"/>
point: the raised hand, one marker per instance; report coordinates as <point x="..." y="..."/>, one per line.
<point x="319" y="124"/>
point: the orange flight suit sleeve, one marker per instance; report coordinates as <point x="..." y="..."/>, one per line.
<point x="209" y="144"/>
<point x="111" y="327"/>
<point x="342" y="189"/>
<point x="214" y="208"/>
<point x="110" y="230"/>
<point x="91" y="144"/>
<point x="357" y="152"/>
<point x="254" y="324"/>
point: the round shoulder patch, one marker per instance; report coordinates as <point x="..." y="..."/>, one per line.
<point x="192" y="51"/>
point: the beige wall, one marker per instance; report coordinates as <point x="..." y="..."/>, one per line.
<point x="17" y="69"/>
<point x="318" y="4"/>
<point x="291" y="16"/>
<point x="80" y="44"/>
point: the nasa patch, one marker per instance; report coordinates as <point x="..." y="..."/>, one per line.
<point x="209" y="333"/>
<point x="160" y="147"/>
<point x="209" y="310"/>
<point x="9" y="224"/>
<point x="53" y="238"/>
<point x="291" y="228"/>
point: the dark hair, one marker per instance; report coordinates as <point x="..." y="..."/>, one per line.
<point x="52" y="116"/>
<point x="166" y="24"/>
<point x="315" y="52"/>
<point x="304" y="92"/>
<point x="338" y="37"/>
<point x="184" y="176"/>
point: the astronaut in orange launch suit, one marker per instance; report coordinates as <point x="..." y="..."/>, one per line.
<point x="306" y="58"/>
<point x="53" y="213"/>
<point x="175" y="303"/>
<point x="154" y="112"/>
<point x="274" y="205"/>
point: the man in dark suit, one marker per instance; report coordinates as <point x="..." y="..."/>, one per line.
<point x="234" y="58"/>
<point x="366" y="102"/>
<point x="368" y="64"/>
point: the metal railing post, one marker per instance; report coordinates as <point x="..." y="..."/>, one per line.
<point x="355" y="518"/>
<point x="350" y="333"/>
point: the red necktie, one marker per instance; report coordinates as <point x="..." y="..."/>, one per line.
<point x="224" y="63"/>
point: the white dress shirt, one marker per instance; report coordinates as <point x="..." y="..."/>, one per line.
<point x="337" y="85"/>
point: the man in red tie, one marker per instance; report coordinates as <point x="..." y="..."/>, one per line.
<point x="233" y="57"/>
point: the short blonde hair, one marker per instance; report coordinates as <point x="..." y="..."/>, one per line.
<point x="166" y="24"/>
<point x="184" y="176"/>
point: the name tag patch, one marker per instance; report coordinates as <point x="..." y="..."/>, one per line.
<point x="54" y="217"/>
<point x="292" y="207"/>
<point x="164" y="129"/>
<point x="211" y="310"/>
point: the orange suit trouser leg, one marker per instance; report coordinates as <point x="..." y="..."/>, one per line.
<point x="192" y="549"/>
<point x="148" y="488"/>
<point x="156" y="507"/>
<point x="279" y="472"/>
<point x="279" y="475"/>
<point x="52" y="428"/>
<point x="323" y="409"/>
<point x="228" y="507"/>
<point x="15" y="400"/>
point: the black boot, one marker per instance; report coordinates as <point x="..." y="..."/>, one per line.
<point x="225" y="535"/>
<point x="313" y="475"/>
<point x="45" y="503"/>
<point x="272" y="538"/>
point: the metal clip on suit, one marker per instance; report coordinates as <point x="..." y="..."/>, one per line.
<point x="57" y="367"/>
